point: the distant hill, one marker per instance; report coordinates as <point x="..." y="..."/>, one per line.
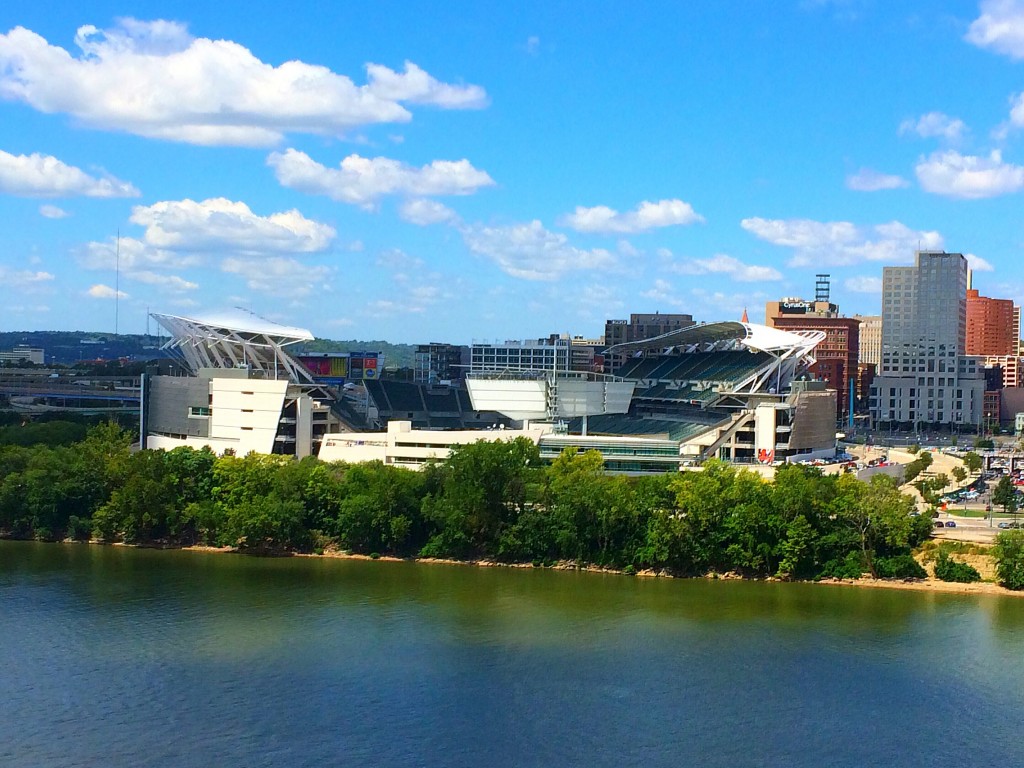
<point x="70" y="347"/>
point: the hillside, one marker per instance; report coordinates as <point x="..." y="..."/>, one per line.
<point x="70" y="347"/>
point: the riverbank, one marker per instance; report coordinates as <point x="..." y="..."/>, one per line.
<point x="930" y="584"/>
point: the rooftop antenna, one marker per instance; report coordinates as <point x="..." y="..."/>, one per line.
<point x="117" y="277"/>
<point x="822" y="288"/>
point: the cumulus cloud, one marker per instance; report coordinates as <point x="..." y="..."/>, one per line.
<point x="646" y="216"/>
<point x="25" y="280"/>
<point x="532" y="252"/>
<point x="723" y="264"/>
<point x="129" y="254"/>
<point x="101" y="291"/>
<point x="171" y="283"/>
<point x="1000" y="27"/>
<point x="417" y="87"/>
<point x="841" y="243"/>
<point x="868" y="180"/>
<point x="38" y="175"/>
<point x="1017" y="110"/>
<point x="934" y="125"/>
<point x="362" y="180"/>
<point x="153" y="79"/>
<point x="968" y="176"/>
<point x="423" y="212"/>
<point x="863" y="284"/>
<point x="977" y="263"/>
<point x="278" y="276"/>
<point x="53" y="212"/>
<point x="219" y="224"/>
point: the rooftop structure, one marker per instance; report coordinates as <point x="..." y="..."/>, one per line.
<point x="236" y="339"/>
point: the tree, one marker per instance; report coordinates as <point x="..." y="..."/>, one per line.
<point x="1005" y="495"/>
<point x="482" y="491"/>
<point x="959" y="474"/>
<point x="972" y="461"/>
<point x="1009" y="555"/>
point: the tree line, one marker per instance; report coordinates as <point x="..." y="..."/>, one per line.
<point x="488" y="500"/>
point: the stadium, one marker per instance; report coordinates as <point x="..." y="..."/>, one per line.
<point x="736" y="391"/>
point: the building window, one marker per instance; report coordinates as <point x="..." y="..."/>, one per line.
<point x="198" y="412"/>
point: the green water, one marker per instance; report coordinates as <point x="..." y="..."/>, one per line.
<point x="114" y="656"/>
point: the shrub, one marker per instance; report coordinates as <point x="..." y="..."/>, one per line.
<point x="948" y="569"/>
<point x="79" y="529"/>
<point x="1009" y="553"/>
<point x="899" y="567"/>
<point x="850" y="567"/>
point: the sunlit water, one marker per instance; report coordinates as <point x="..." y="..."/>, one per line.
<point x="114" y="656"/>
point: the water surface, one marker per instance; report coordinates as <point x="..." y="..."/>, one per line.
<point x="116" y="656"/>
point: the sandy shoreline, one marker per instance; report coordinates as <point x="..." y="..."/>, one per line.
<point x="930" y="584"/>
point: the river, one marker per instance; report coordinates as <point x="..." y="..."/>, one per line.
<point x="115" y="656"/>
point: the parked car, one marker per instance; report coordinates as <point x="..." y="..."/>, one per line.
<point x="951" y="524"/>
<point x="1005" y="525"/>
<point x="939" y="524"/>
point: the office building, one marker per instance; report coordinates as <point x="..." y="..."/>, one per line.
<point x="639" y="327"/>
<point x="991" y="326"/>
<point x="926" y="378"/>
<point x="870" y="339"/>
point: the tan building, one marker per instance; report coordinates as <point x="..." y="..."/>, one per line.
<point x="870" y="339"/>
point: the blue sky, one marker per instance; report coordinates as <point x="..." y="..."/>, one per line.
<point x="449" y="172"/>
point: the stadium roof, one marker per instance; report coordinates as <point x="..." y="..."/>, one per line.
<point x="760" y="338"/>
<point x="236" y="339"/>
<point x="240" y="321"/>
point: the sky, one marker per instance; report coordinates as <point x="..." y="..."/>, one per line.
<point x="482" y="171"/>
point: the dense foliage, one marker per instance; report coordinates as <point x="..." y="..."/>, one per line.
<point x="948" y="569"/>
<point x="490" y="500"/>
<point x="1009" y="554"/>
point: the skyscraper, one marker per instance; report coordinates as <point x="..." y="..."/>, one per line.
<point x="925" y="376"/>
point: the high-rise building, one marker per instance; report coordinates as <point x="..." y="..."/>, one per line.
<point x="870" y="339"/>
<point x="437" y="362"/>
<point x="991" y="326"/>
<point x="551" y="354"/>
<point x="640" y="327"/>
<point x="836" y="356"/>
<point x="925" y="376"/>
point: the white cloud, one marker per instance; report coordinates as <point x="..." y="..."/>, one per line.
<point x="100" y="291"/>
<point x="532" y="252"/>
<point x="723" y="264"/>
<point x="417" y="87"/>
<point x="863" y="284"/>
<point x="868" y="180"/>
<point x="219" y="224"/>
<point x="423" y="212"/>
<point x="934" y="125"/>
<point x="25" y="281"/>
<point x="1000" y="27"/>
<point x="840" y="243"/>
<point x="968" y="176"/>
<point x="130" y="254"/>
<point x="53" y="212"/>
<point x="168" y="282"/>
<point x="153" y="79"/>
<point x="397" y="259"/>
<point x="38" y="175"/>
<point x="278" y="276"/>
<point x="1016" y="112"/>
<point x="362" y="181"/>
<point x="646" y="216"/>
<point x="978" y="264"/>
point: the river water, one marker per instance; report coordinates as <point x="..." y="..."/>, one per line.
<point x="115" y="656"/>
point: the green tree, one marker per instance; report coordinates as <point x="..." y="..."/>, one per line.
<point x="1005" y="495"/>
<point x="972" y="461"/>
<point x="959" y="474"/>
<point x="1009" y="555"/>
<point x="483" y="489"/>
